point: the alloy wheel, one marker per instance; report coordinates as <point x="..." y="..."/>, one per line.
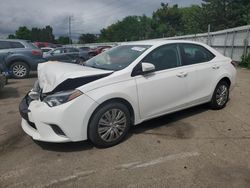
<point x="19" y="70"/>
<point x="112" y="125"/>
<point x="222" y="95"/>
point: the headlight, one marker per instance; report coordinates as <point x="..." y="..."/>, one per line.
<point x="36" y="87"/>
<point x="61" y="97"/>
<point x="34" y="94"/>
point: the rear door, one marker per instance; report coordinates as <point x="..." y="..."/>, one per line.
<point x="201" y="71"/>
<point x="165" y="89"/>
<point x="5" y="51"/>
<point x="57" y="55"/>
<point x="72" y="55"/>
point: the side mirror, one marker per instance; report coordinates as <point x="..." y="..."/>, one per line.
<point x="147" y="68"/>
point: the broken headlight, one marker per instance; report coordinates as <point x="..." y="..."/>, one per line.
<point x="61" y="97"/>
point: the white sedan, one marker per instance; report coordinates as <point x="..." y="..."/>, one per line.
<point x="122" y="87"/>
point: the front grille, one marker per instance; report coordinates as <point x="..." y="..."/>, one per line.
<point x="23" y="109"/>
<point x="57" y="130"/>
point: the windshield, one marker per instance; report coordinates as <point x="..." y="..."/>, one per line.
<point x="117" y="58"/>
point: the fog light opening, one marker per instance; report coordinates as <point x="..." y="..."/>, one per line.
<point x="57" y="130"/>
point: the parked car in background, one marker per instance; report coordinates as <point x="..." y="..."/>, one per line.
<point x="124" y="86"/>
<point x="46" y="44"/>
<point x="85" y="48"/>
<point x="98" y="50"/>
<point x="19" y="56"/>
<point x="67" y="54"/>
<point x="46" y="49"/>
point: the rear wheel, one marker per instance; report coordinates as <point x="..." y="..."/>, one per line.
<point x="109" y="125"/>
<point x="220" y="96"/>
<point x="20" y="70"/>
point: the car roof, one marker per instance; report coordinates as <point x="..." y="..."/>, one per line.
<point x="64" y="48"/>
<point x="160" y="42"/>
<point x="14" y="40"/>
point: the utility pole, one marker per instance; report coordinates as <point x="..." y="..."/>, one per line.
<point x="208" y="34"/>
<point x="69" y="29"/>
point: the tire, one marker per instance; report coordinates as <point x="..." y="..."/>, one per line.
<point x="101" y="132"/>
<point x="220" y="96"/>
<point x="19" y="70"/>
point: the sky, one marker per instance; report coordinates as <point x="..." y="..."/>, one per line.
<point x="88" y="16"/>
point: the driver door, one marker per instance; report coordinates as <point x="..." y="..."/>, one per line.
<point x="164" y="90"/>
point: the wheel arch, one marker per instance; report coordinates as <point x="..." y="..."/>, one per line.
<point x="18" y="60"/>
<point x="226" y="79"/>
<point x="117" y="99"/>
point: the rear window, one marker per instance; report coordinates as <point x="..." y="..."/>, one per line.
<point x="193" y="54"/>
<point x="71" y="50"/>
<point x="16" y="45"/>
<point x="4" y="45"/>
<point x="31" y="45"/>
<point x="10" y="44"/>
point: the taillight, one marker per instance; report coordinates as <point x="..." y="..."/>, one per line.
<point x="234" y="63"/>
<point x="36" y="52"/>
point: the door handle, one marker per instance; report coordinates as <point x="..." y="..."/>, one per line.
<point x="216" y="67"/>
<point x="182" y="74"/>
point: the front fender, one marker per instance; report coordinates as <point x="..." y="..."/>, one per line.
<point x="125" y="90"/>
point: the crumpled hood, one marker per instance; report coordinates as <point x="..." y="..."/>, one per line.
<point x="54" y="76"/>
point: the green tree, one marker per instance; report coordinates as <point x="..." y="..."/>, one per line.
<point x="193" y="20"/>
<point x="87" y="38"/>
<point x="35" y="34"/>
<point x="23" y="33"/>
<point x="130" y="28"/>
<point x="222" y="14"/>
<point x="64" y="40"/>
<point x="11" y="36"/>
<point x="168" y="20"/>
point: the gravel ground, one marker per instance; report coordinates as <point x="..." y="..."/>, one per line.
<point x="197" y="147"/>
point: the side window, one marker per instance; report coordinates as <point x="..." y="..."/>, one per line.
<point x="16" y="45"/>
<point x="164" y="57"/>
<point x="58" y="51"/>
<point x="4" y="45"/>
<point x="193" y="54"/>
<point x="71" y="50"/>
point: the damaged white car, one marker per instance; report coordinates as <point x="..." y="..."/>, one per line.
<point x="121" y="87"/>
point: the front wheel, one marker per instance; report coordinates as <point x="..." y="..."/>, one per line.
<point x="109" y="125"/>
<point x="220" y="96"/>
<point x="19" y="70"/>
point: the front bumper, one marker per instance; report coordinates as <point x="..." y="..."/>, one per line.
<point x="64" y="123"/>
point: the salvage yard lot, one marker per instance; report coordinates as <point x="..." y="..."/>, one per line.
<point x="197" y="147"/>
